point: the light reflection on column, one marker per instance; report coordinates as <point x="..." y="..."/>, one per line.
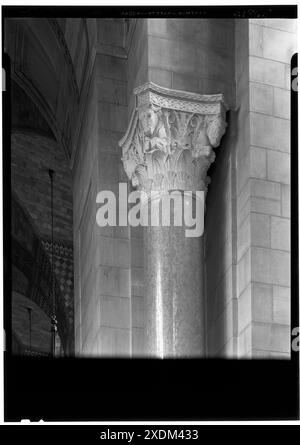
<point x="159" y="315"/>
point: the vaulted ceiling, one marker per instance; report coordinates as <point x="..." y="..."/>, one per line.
<point x="51" y="60"/>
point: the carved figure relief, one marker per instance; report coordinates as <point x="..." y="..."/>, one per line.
<point x="169" y="143"/>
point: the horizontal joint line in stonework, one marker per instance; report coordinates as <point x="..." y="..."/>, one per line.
<point x="268" y="199"/>
<point x="267" y="148"/>
<point x="267" y="58"/>
<point x="247" y="202"/>
<point x="272" y="284"/>
<point x="249" y="285"/>
<point x="270" y="115"/>
<point x="265" y="248"/>
<point x="261" y="180"/>
<point x="261" y="213"/>
<point x="275" y="29"/>
<point x="107" y="295"/>
<point x="115" y="267"/>
<point x="271" y="60"/>
<point x="287" y="151"/>
<point x="114" y="327"/>
<point x="286" y="353"/>
<point x="261" y="323"/>
<point x="268" y="351"/>
<point x="270" y="322"/>
<point x="271" y="148"/>
<point x="269" y="85"/>
<point x="271" y="216"/>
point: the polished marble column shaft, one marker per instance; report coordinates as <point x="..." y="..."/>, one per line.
<point x="174" y="297"/>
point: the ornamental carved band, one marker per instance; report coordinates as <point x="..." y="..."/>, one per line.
<point x="170" y="139"/>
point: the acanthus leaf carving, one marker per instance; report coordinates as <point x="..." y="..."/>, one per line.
<point x="169" y="142"/>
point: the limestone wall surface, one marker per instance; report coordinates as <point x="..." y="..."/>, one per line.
<point x="264" y="242"/>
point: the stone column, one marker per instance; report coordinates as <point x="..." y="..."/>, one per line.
<point x="169" y="147"/>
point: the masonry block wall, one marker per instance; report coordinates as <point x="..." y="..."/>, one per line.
<point x="263" y="191"/>
<point x="32" y="155"/>
<point x="192" y="55"/>
<point x="138" y="58"/>
<point x="103" y="322"/>
<point x="114" y="248"/>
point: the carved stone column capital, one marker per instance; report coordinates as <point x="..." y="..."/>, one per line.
<point x="170" y="138"/>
